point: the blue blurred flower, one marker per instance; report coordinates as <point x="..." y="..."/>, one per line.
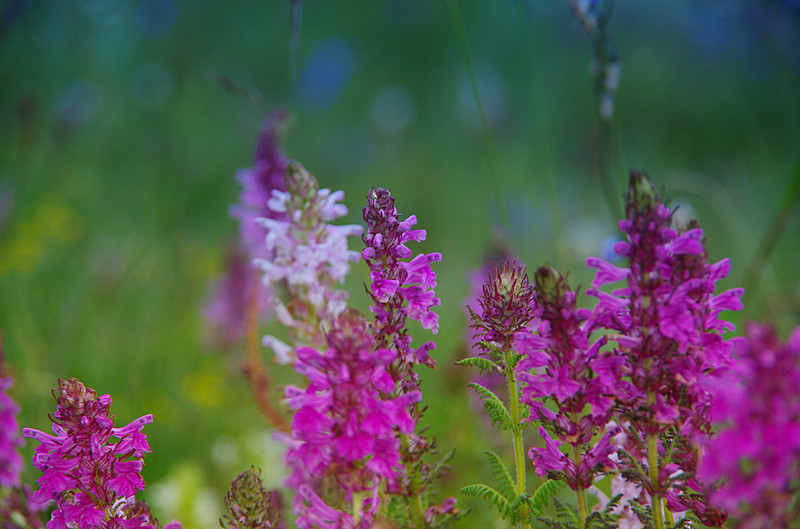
<point x="155" y="18"/>
<point x="327" y="72"/>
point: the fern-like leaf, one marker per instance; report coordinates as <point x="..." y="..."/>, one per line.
<point x="501" y="475"/>
<point x="484" y="364"/>
<point x="494" y="407"/>
<point x="544" y="494"/>
<point x="566" y="511"/>
<point x="495" y="499"/>
<point x="517" y="511"/>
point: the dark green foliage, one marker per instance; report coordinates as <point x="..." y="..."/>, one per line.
<point x="645" y="514"/>
<point x="511" y="506"/>
<point x="604" y="519"/>
<point x="494" y="407"/>
<point x="484" y="364"/>
<point x="544" y="494"/>
<point x="566" y="516"/>
<point x="501" y="475"/>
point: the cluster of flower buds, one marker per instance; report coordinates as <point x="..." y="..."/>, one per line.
<point x="506" y="307"/>
<point x="250" y="505"/>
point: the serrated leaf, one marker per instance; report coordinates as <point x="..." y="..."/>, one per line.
<point x="497" y="411"/>
<point x="544" y="494"/>
<point x="502" y="477"/>
<point x="487" y="346"/>
<point x="515" y="507"/>
<point x="495" y="499"/>
<point x="565" y="510"/>
<point x="514" y="360"/>
<point x="484" y="364"/>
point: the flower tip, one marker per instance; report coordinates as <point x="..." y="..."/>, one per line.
<point x="642" y="193"/>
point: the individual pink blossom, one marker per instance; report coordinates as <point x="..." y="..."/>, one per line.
<point x="92" y="480"/>
<point x="309" y="256"/>
<point x="756" y="454"/>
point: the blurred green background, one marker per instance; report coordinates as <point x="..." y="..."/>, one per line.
<point x="122" y="124"/>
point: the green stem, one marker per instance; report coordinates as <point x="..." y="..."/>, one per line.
<point x="358" y="500"/>
<point x="668" y="516"/>
<point x="583" y="508"/>
<point x="519" y="447"/>
<point x="583" y="504"/>
<point x="652" y="461"/>
<point x="415" y="506"/>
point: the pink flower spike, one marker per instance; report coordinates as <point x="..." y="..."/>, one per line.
<point x="86" y="475"/>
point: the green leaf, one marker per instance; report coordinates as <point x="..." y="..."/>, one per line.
<point x="516" y="507"/>
<point x="495" y="499"/>
<point x="513" y="360"/>
<point x="494" y="407"/>
<point x="484" y="364"/>
<point x="544" y="494"/>
<point x="502" y="477"/>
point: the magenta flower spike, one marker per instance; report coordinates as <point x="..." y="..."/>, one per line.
<point x="670" y="340"/>
<point x="310" y="257"/>
<point x="666" y="318"/>
<point x="92" y="480"/>
<point x="402" y="287"/>
<point x="559" y="363"/>
<point x="755" y="457"/>
<point x="343" y="434"/>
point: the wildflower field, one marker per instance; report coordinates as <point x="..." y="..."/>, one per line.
<point x="399" y="264"/>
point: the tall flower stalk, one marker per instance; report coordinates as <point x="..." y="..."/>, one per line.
<point x="402" y="287"/>
<point x="239" y="300"/>
<point x="577" y="378"/>
<point x="506" y="308"/>
<point x="669" y="338"/>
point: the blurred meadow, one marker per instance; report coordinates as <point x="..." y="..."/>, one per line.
<point x="122" y="124"/>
